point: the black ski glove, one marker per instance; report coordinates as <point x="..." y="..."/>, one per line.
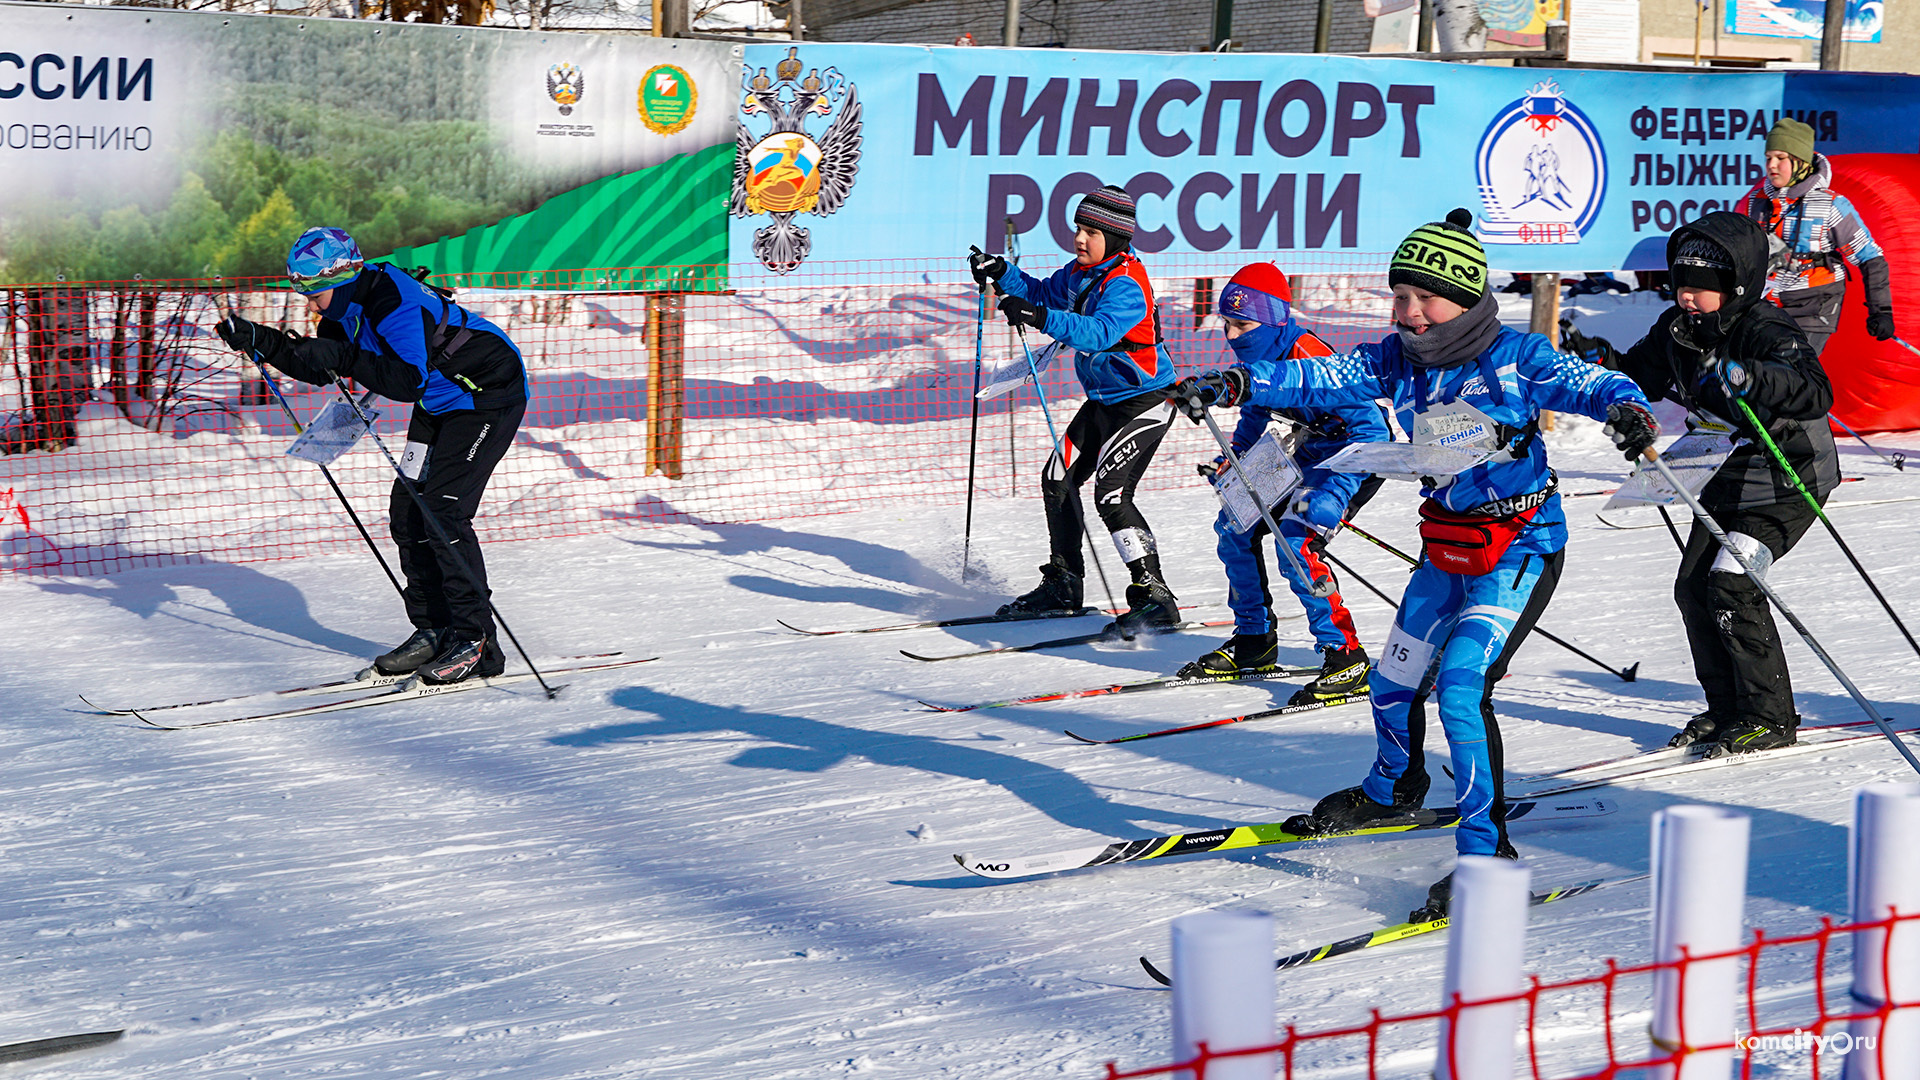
<point x="1226" y="388"/>
<point x="1633" y="428"/>
<point x="986" y="269"/>
<point x="1880" y="324"/>
<point x="1594" y="350"/>
<point x="1023" y="313"/>
<point x="266" y="343"/>
<point x="1736" y="377"/>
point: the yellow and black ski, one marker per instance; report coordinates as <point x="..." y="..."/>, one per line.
<point x="1401" y="931"/>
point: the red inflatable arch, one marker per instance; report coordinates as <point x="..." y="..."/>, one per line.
<point x="1876" y="384"/>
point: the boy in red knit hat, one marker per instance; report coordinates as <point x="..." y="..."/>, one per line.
<point x="1257" y="306"/>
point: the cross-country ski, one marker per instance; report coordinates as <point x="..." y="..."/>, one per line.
<point x="1099" y="637"/>
<point x="1165" y="682"/>
<point x="1236" y="837"/>
<point x="1387" y="935"/>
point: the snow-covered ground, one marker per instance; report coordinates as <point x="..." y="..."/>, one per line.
<point x="736" y="861"/>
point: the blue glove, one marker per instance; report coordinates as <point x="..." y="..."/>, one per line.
<point x="1735" y="377"/>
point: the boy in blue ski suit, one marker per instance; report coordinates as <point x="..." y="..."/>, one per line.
<point x="1457" y="629"/>
<point x="1100" y="305"/>
<point x="408" y="341"/>
<point x="1256" y="306"/>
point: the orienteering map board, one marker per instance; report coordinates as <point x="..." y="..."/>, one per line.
<point x="1693" y="457"/>
<point x="1273" y="474"/>
<point x="1404" y="461"/>
<point x="331" y="434"/>
<point x="1015" y="372"/>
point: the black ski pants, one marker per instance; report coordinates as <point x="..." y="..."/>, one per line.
<point x="456" y="453"/>
<point x="1737" y="654"/>
<point x="1113" y="444"/>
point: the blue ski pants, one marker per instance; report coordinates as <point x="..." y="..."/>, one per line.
<point x="1452" y="641"/>
<point x="1247" y="592"/>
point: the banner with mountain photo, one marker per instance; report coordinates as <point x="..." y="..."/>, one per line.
<point x="155" y="144"/>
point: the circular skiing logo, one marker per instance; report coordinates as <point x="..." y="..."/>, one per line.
<point x="1542" y="171"/>
<point x="667" y="99"/>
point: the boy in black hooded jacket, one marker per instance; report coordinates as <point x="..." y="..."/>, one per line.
<point x="1721" y="342"/>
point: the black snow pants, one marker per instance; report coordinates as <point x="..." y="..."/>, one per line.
<point x="452" y="456"/>
<point x="1114" y="444"/>
<point x="1737" y="654"/>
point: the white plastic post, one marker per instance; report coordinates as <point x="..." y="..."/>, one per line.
<point x="1223" y="991"/>
<point x="1885" y="874"/>
<point x="1489" y="936"/>
<point x="1699" y="904"/>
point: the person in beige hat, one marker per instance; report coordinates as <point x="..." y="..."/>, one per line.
<point x="1813" y="234"/>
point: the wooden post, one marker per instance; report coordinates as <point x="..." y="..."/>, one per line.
<point x="1546" y="320"/>
<point x="57" y="357"/>
<point x="666" y="381"/>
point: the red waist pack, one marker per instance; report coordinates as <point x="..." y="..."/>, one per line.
<point x="1469" y="543"/>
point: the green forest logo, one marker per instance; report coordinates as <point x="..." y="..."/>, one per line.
<point x="565" y="85"/>
<point x="668" y="99"/>
<point x="785" y="172"/>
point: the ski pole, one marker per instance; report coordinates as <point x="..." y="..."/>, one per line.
<point x="1626" y="674"/>
<point x="440" y="533"/>
<point x="973" y="436"/>
<point x="1318" y="586"/>
<point x="1793" y="478"/>
<point x="1904" y="345"/>
<point x="1706" y="520"/>
<point x="224" y="309"/>
<point x="1673" y="531"/>
<point x="1060" y="452"/>
<point x="1898" y="460"/>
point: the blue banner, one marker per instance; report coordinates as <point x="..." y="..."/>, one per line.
<point x="877" y="152"/>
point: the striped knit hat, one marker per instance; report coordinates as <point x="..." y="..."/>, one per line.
<point x="1443" y="258"/>
<point x="1110" y="210"/>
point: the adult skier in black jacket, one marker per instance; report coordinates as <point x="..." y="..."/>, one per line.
<point x="1719" y="342"/>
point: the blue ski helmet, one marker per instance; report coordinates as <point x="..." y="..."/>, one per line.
<point x="321" y="259"/>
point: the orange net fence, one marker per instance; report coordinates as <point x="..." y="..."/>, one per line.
<point x="130" y="435"/>
<point x="1800" y="1013"/>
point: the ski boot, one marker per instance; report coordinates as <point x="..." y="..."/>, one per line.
<point x="1059" y="590"/>
<point x="1151" y="609"/>
<point x="1702" y="728"/>
<point x="1350" y="808"/>
<point x="409" y="654"/>
<point x="1343" y="673"/>
<point x="1239" y="655"/>
<point x="1748" y="736"/>
<point x="463" y="656"/>
<point x="1439" y="903"/>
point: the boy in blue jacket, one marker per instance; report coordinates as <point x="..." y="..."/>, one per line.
<point x="408" y="341"/>
<point x="1257" y="307"/>
<point x="1494" y="532"/>
<point x="1101" y="305"/>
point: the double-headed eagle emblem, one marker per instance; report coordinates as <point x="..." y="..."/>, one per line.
<point x="565" y="85"/>
<point x="785" y="172"/>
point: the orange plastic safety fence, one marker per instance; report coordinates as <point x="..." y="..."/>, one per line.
<point x="131" y="435"/>
<point x="1298" y="1051"/>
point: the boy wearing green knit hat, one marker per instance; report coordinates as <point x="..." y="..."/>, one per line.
<point x="1813" y="234"/>
<point x="1494" y="532"/>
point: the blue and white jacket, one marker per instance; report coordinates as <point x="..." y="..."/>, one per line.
<point x="1090" y="309"/>
<point x="1517" y="377"/>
